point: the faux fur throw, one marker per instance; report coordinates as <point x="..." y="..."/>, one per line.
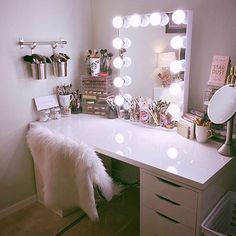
<point x="69" y="169"/>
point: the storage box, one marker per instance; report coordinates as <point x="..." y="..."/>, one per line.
<point x="95" y="91"/>
<point x="222" y="219"/>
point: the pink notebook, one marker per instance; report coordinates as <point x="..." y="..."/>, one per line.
<point x="219" y="70"/>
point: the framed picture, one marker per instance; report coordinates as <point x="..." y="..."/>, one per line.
<point x="171" y="27"/>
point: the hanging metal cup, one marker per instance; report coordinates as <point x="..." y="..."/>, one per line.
<point x="39" y="71"/>
<point x="60" y="68"/>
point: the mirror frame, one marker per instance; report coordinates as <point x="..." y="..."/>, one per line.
<point x="187" y="56"/>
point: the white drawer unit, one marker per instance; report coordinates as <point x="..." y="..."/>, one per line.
<point x="167" y="207"/>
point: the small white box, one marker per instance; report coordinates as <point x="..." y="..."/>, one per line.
<point x="185" y="128"/>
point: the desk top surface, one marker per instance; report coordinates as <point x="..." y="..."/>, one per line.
<point x="155" y="149"/>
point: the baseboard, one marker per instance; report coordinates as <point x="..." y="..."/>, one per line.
<point x="17" y="206"/>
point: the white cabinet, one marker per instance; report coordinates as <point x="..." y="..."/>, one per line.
<point x="168" y="207"/>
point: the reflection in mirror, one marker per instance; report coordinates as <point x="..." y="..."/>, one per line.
<point x="155" y="53"/>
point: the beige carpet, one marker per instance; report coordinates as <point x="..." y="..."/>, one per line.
<point x="118" y="217"/>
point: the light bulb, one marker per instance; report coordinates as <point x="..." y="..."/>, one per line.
<point x="119" y="100"/>
<point x="118" y="82"/>
<point x="164" y="19"/>
<point x="127" y="97"/>
<point x="178" y="17"/>
<point x="117" y="22"/>
<point x="126" y="43"/>
<point x="135" y="20"/>
<point x="127" y="62"/>
<point x="174" y="110"/>
<point x="126" y="22"/>
<point x="175" y="66"/>
<point x="144" y="21"/>
<point x="176" y="42"/>
<point x="155" y="18"/>
<point x="117" y="43"/>
<point x="127" y="80"/>
<point x="175" y="89"/>
<point x="118" y="62"/>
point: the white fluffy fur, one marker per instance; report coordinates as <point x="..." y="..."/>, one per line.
<point x="69" y="170"/>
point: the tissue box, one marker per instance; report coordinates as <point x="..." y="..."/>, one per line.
<point x="185" y="128"/>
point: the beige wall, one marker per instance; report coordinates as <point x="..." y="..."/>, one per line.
<point x="214" y="32"/>
<point x="33" y="20"/>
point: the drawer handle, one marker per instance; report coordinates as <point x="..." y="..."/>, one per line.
<point x="167" y="200"/>
<point x="167" y="218"/>
<point x="168" y="182"/>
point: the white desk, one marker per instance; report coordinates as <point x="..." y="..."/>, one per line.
<point x="160" y="152"/>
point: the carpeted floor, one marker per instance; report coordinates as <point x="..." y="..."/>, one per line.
<point x="119" y="217"/>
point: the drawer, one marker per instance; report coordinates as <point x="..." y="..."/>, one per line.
<point x="157" y="224"/>
<point x="181" y="214"/>
<point x="167" y="189"/>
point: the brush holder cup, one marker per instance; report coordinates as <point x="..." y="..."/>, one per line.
<point x="111" y="112"/>
<point x="60" y="68"/>
<point x="39" y="71"/>
<point x="65" y="100"/>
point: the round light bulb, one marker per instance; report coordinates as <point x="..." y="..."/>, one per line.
<point x="175" y="66"/>
<point x="126" y="22"/>
<point x="145" y="21"/>
<point x="178" y="17"/>
<point x="118" y="82"/>
<point x="118" y="62"/>
<point x="117" y="22"/>
<point x="164" y="19"/>
<point x="175" y="89"/>
<point x="176" y="42"/>
<point x="126" y="43"/>
<point x="155" y="18"/>
<point x="127" y="97"/>
<point x="135" y="20"/>
<point x="119" y="100"/>
<point x="127" y="80"/>
<point x="127" y="62"/>
<point x="174" y="110"/>
<point x="117" y="43"/>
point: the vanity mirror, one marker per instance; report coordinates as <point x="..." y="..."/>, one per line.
<point x="154" y="56"/>
<point x="221" y="109"/>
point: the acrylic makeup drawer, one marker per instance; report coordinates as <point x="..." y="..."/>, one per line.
<point x="167" y="204"/>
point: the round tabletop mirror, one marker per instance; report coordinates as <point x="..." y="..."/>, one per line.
<point x="222" y="105"/>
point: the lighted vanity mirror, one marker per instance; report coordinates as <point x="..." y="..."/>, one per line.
<point x="151" y="45"/>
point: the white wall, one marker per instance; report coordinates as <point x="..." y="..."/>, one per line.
<point x="214" y="31"/>
<point x="42" y="21"/>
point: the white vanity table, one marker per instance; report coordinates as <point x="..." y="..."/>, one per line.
<point x="180" y="179"/>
